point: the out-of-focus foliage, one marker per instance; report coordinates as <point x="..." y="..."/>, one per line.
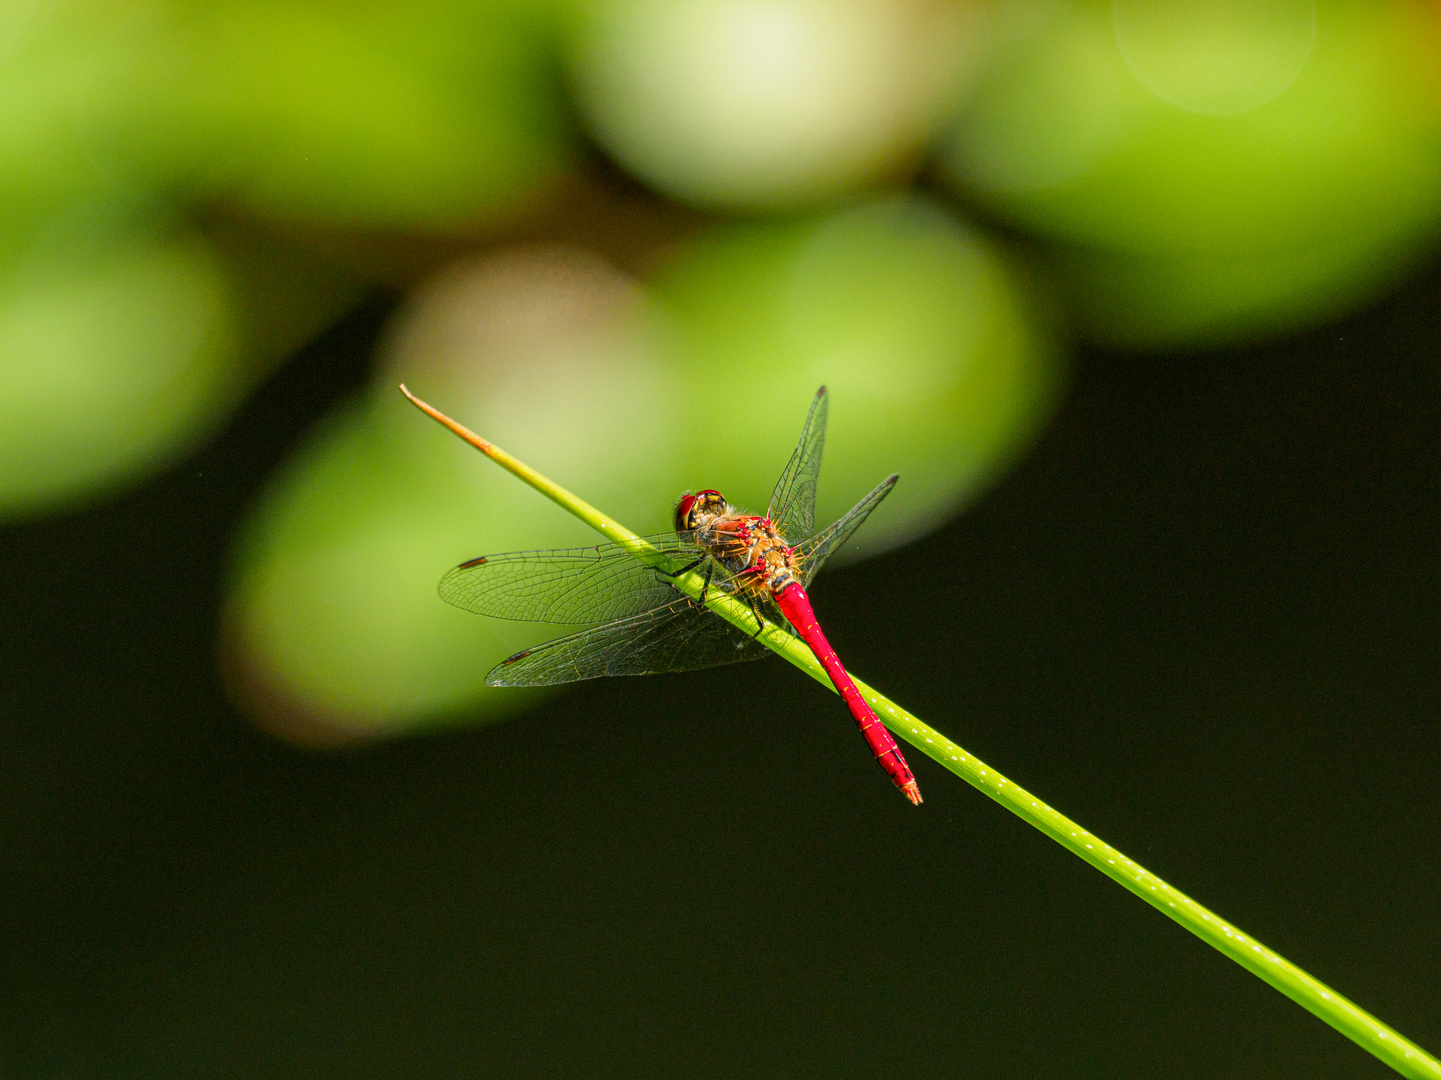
<point x="114" y="355"/>
<point x="189" y="189"/>
<point x="433" y="114"/>
<point x="1210" y="170"/>
<point x="123" y="340"/>
<point x="336" y="625"/>
<point x="428" y="115"/>
<point x="937" y="365"/>
<point x="123" y="343"/>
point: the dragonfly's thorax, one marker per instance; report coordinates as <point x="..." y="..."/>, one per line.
<point x="749" y="546"/>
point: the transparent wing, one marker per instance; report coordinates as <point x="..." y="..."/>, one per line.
<point x="682" y="636"/>
<point x="814" y="552"/>
<point x="793" y="503"/>
<point x="566" y="585"/>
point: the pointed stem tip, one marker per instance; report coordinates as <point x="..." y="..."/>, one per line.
<point x="440" y="418"/>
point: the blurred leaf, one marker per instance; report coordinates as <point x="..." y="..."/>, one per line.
<point x="423" y="116"/>
<point x="939" y="366"/>
<point x="114" y="358"/>
<point x="1313" y="198"/>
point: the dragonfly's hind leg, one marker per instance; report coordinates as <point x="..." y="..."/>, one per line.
<point x="760" y="618"/>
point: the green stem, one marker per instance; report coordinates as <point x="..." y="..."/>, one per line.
<point x="1352" y="1021"/>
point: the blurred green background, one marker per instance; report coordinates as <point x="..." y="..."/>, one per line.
<point x="1138" y="297"/>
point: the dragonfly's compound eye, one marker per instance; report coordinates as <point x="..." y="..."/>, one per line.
<point x="694" y="508"/>
<point x="682" y="513"/>
<point x="708" y="504"/>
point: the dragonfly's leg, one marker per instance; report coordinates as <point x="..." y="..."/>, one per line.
<point x="709" y="571"/>
<point x="760" y="618"/>
<point x="686" y="569"/>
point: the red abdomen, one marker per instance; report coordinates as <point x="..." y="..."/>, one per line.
<point x="796" y="606"/>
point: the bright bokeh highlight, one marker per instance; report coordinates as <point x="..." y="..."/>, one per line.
<point x="767" y="103"/>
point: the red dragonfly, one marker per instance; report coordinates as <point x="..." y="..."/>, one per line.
<point x="646" y="625"/>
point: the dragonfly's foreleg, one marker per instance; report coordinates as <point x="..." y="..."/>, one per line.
<point x="686" y="569"/>
<point x="709" y="571"/>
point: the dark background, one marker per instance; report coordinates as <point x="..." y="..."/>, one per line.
<point x="1201" y="619"/>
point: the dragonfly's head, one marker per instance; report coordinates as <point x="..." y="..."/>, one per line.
<point x="693" y="510"/>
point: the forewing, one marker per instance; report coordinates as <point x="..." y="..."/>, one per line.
<point x="683" y="636"/>
<point x="793" y="503"/>
<point x="815" y="551"/>
<point x="566" y="585"/>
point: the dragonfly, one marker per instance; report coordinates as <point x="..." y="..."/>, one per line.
<point x="640" y="623"/>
